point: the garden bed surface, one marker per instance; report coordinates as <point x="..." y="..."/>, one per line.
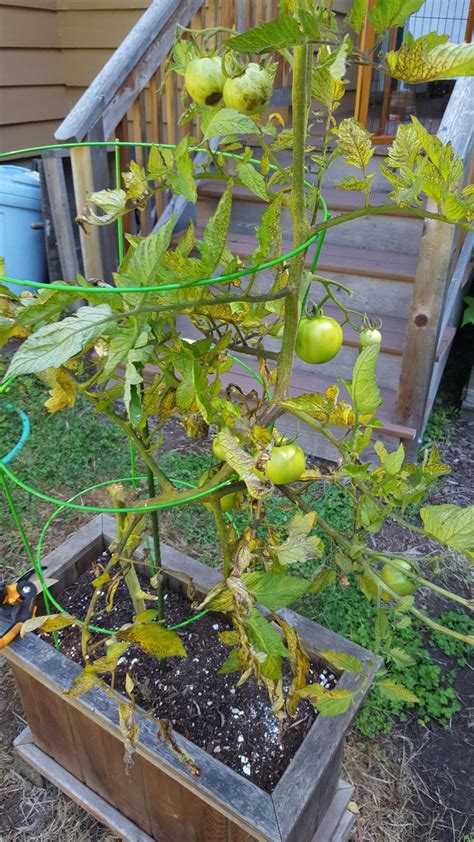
<point x="234" y="724"/>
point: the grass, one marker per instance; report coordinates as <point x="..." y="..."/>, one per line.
<point x="74" y="449"/>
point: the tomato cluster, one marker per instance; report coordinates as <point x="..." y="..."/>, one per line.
<point x="248" y="92"/>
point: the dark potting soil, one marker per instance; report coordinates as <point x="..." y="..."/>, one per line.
<point x="234" y="724"/>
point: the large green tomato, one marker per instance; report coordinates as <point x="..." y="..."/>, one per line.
<point x="204" y="80"/>
<point x="227" y="501"/>
<point x="396" y="579"/>
<point x="250" y="92"/>
<point x="370" y="336"/>
<point x="286" y="464"/>
<point x="318" y="339"/>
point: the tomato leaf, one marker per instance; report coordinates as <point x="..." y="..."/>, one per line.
<point x="274" y="591"/>
<point x="252" y="179"/>
<point x="53" y="345"/>
<point x="243" y="464"/>
<point x="342" y="661"/>
<point x="266" y="641"/>
<point x="227" y="122"/>
<point x="328" y="702"/>
<point x="387" y="13"/>
<point x="396" y="692"/>
<point x="364" y="389"/>
<point x="299" y="546"/>
<point x="429" y="58"/>
<point x="354" y="143"/>
<point x="322" y="579"/>
<point x="452" y="525"/>
<point x="357" y="16"/>
<point x="53" y="622"/>
<point x="284" y="32"/>
<point x="153" y="639"/>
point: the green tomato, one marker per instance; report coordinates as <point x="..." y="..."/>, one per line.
<point x="277" y="330"/>
<point x="227" y="501"/>
<point x="318" y="339"/>
<point x="396" y="579"/>
<point x="204" y="80"/>
<point x="286" y="464"/>
<point x="250" y="92"/>
<point x="369" y="336"/>
<point x="217" y="449"/>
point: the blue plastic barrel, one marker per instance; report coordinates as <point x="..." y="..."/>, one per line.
<point x="21" y="226"/>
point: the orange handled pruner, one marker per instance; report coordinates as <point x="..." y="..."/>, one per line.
<point x="17" y="604"/>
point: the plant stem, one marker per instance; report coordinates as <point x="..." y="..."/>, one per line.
<point x="155" y="529"/>
<point x="299" y="98"/>
<point x="223" y="537"/>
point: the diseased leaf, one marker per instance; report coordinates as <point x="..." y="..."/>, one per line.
<point x="405" y="148"/>
<point x="364" y="389"/>
<point x="322" y="579"/>
<point x="299" y="546"/>
<point x="430" y="57"/>
<point x="252" y="179"/>
<point x="396" y="692"/>
<point x="266" y="641"/>
<point x="83" y="682"/>
<point x="215" y="232"/>
<point x="130" y="731"/>
<point x="112" y="203"/>
<point x="299" y="665"/>
<point x="401" y="658"/>
<point x="275" y="591"/>
<point x="53" y="345"/>
<point x="452" y="525"/>
<point x="62" y="392"/>
<point x="183" y="183"/>
<point x="51" y="623"/>
<point x="243" y="464"/>
<point x="118" y="348"/>
<point x="354" y="143"/>
<point x="227" y="122"/>
<point x="328" y="702"/>
<point x="325" y="408"/>
<point x="388" y="13"/>
<point x="342" y="661"/>
<point x="153" y="639"/>
<point x="109" y="661"/>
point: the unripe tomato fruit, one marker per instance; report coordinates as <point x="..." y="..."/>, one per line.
<point x="227" y="501"/>
<point x="286" y="464"/>
<point x="250" y="92"/>
<point x="396" y="579"/>
<point x="369" y="336"/>
<point x="204" y="80"/>
<point x="217" y="449"/>
<point x="318" y="339"/>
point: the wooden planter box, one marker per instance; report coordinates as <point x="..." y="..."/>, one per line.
<point x="76" y="743"/>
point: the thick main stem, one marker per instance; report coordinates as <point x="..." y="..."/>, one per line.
<point x="299" y="99"/>
<point x="155" y="533"/>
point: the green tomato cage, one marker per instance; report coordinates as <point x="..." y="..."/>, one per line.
<point x="7" y="475"/>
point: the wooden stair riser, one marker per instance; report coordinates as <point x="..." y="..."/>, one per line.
<point x="392" y="233"/>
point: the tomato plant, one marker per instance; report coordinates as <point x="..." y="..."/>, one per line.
<point x="318" y="339"/>
<point x="124" y="352"/>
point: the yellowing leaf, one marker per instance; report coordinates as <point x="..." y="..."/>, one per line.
<point x="252" y="179"/>
<point x="405" y="149"/>
<point x="243" y="464"/>
<point x="325" y="408"/>
<point x="83" y="682"/>
<point x="63" y="393"/>
<point x="354" y="143"/>
<point x="53" y="622"/>
<point x="130" y="731"/>
<point x="299" y="546"/>
<point x="153" y="639"/>
<point x="342" y="661"/>
<point x="450" y="524"/>
<point x="328" y="702"/>
<point x="396" y="692"/>
<point x="109" y="661"/>
<point x="429" y="58"/>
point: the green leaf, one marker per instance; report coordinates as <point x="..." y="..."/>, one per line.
<point x="215" y="232"/>
<point x="452" y="525"/>
<point x="354" y="143"/>
<point x="396" y="692"/>
<point x="109" y="661"/>
<point x="324" y="86"/>
<point x="328" y="702"/>
<point x="268" y="234"/>
<point x="342" y="661"/>
<point x="266" y="641"/>
<point x="243" y="464"/>
<point x="358" y="14"/>
<point x="112" y="203"/>
<point x="145" y="262"/>
<point x="119" y="346"/>
<point x="468" y="317"/>
<point x="353" y="183"/>
<point x="274" y="591"/>
<point x="387" y="13"/>
<point x="53" y="345"/>
<point x="252" y="179"/>
<point x="231" y="664"/>
<point x="429" y="58"/>
<point x="364" y="389"/>
<point x="227" y="122"/>
<point x="322" y="579"/>
<point x="372" y="517"/>
<point x="299" y="546"/>
<point x="394" y="461"/>
<point x="284" y="32"/>
<point x="401" y="658"/>
<point x="154" y="639"/>
<point x="183" y="182"/>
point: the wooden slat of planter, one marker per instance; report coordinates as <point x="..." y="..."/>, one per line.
<point x="77" y="791"/>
